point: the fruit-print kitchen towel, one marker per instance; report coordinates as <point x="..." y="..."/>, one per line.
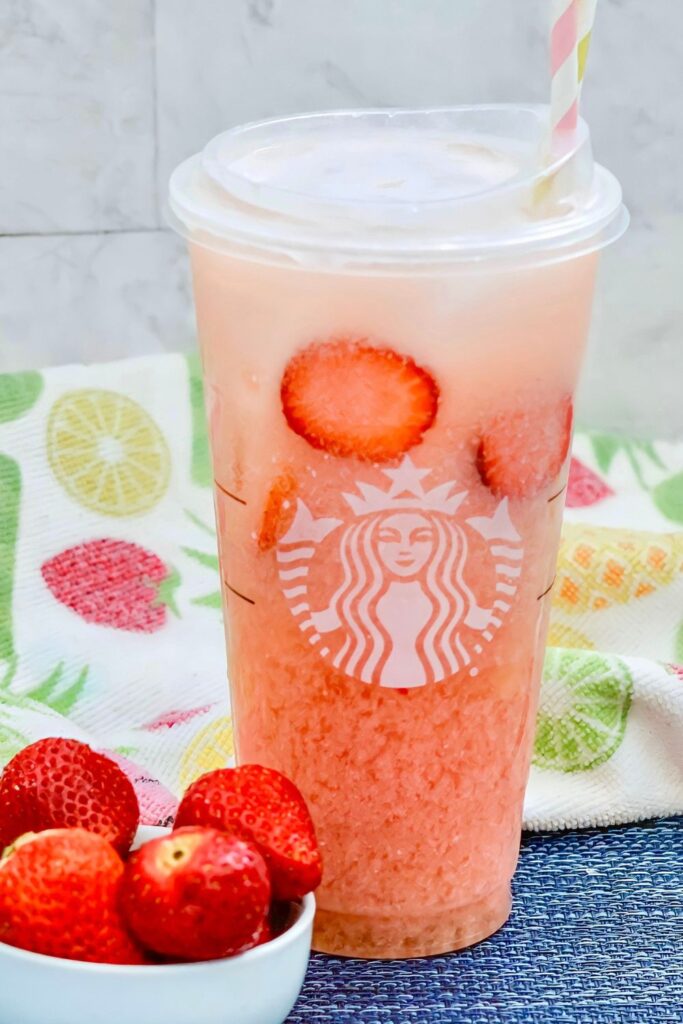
<point x="110" y="626"/>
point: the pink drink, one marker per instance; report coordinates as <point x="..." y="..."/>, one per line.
<point x="392" y="312"/>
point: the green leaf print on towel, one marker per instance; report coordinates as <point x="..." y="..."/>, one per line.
<point x="59" y="691"/>
<point x="203" y="557"/>
<point x="585" y="701"/>
<point x="11" y="742"/>
<point x="607" y="446"/>
<point x="201" y="471"/>
<point x="19" y="392"/>
<point x="10" y="496"/>
<point x="668" y="497"/>
<point x="53" y="692"/>
<point x="207" y="559"/>
<point x="212" y="600"/>
<point x="24" y="720"/>
<point x="678" y="649"/>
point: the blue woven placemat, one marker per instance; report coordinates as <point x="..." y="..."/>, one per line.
<point x="595" y="937"/>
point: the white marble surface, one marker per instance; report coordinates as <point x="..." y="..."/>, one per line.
<point x="285" y="56"/>
<point x="99" y="100"/>
<point x="83" y="298"/>
<point x="77" y="95"/>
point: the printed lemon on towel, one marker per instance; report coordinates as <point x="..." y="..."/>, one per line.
<point x="107" y="452"/>
<point x="211" y="748"/>
<point x="599" y="567"/>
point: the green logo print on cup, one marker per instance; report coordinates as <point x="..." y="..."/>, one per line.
<point x="585" y="701"/>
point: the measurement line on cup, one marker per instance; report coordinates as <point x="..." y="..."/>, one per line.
<point x="228" y="493"/>
<point x="244" y="597"/>
<point x="547" y="590"/>
<point x="561" y="491"/>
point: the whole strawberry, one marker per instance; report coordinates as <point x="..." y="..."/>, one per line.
<point x="264" y="806"/>
<point x="57" y="783"/>
<point x="59" y="893"/>
<point x="196" y="894"/>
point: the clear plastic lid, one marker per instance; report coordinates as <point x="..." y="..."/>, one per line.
<point x="398" y="186"/>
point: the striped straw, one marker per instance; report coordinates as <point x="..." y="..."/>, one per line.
<point x="564" y="66"/>
<point x="569" y="44"/>
<point x="587" y="10"/>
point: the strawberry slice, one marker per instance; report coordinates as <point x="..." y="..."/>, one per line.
<point x="585" y="487"/>
<point x="349" y="398"/>
<point x="522" y="452"/>
<point x="278" y="511"/>
<point x="265" y="807"/>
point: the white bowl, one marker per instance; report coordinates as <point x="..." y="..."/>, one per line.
<point x="256" y="987"/>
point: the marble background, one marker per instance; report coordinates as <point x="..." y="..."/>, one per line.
<point x="100" y="100"/>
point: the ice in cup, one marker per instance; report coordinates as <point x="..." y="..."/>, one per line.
<point x="392" y="308"/>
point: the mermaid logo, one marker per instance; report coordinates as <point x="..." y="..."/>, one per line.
<point x="400" y="611"/>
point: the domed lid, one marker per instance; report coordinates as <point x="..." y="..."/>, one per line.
<point x="398" y="186"/>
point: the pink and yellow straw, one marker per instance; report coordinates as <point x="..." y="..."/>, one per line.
<point x="569" y="44"/>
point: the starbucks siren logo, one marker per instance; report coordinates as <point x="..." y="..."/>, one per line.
<point x="401" y="612"/>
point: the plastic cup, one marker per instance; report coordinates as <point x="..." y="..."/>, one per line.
<point x="392" y="309"/>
